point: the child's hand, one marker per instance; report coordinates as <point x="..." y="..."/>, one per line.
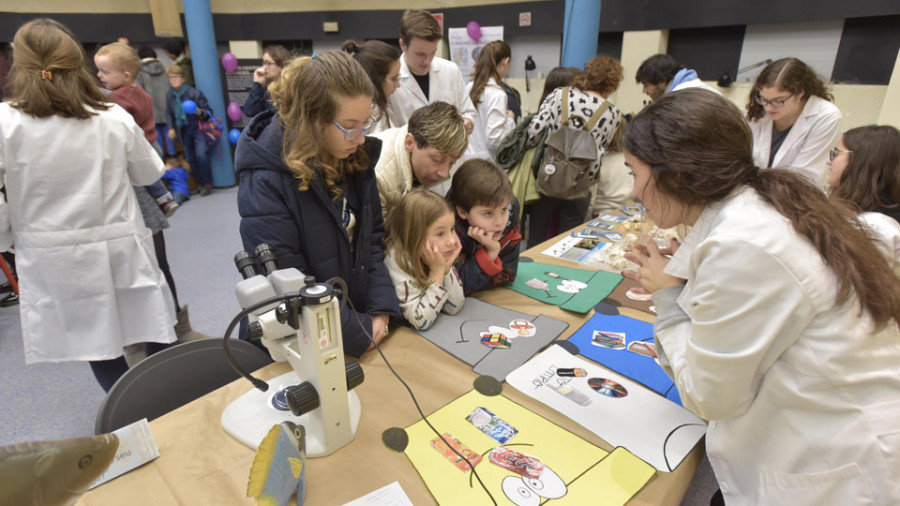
<point x="259" y="75"/>
<point x="434" y="259"/>
<point x="172" y="133"/>
<point x="490" y="245"/>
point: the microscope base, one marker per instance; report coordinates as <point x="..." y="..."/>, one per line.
<point x="249" y="417"/>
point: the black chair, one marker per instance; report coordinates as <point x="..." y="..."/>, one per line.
<point x="172" y="378"/>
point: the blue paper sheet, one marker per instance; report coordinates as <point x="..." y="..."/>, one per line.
<point x="640" y="368"/>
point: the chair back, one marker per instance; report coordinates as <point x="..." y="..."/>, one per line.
<point x="172" y="378"/>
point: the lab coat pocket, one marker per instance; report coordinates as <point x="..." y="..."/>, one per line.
<point x="884" y="418"/>
<point x="841" y="486"/>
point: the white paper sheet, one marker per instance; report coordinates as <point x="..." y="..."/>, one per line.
<point x="388" y="495"/>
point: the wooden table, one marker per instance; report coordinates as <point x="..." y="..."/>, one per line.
<point x="200" y="464"/>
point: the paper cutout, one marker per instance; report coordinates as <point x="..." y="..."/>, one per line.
<point x="460" y="336"/>
<point x="574" y="470"/>
<point x="522" y="328"/>
<point x="654" y="429"/>
<point x="599" y="284"/>
<point x="611" y="340"/>
<point x="492" y="425"/>
<point x="493" y="340"/>
<point x="640" y="368"/>
<point x="448" y="453"/>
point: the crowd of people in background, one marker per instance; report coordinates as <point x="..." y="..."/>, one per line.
<point x="778" y="309"/>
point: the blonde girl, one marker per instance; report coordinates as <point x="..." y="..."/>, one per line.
<point x="89" y="280"/>
<point x="307" y="188"/>
<point x="421" y="250"/>
<point x="865" y="170"/>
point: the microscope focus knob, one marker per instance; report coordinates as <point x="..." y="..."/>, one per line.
<point x="302" y="398"/>
<point x="355" y="374"/>
<point x="254" y="331"/>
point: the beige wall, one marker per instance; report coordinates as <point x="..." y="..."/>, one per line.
<point x="238" y="6"/>
<point x="890" y="111"/>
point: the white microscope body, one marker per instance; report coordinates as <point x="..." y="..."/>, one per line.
<point x="305" y="332"/>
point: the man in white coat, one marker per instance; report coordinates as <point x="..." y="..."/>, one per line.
<point x="425" y="78"/>
<point x="661" y="74"/>
<point x="420" y="153"/>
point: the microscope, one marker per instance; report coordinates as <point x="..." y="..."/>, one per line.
<point x="302" y="326"/>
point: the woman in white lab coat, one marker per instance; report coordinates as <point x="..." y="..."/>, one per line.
<point x="865" y="170"/>
<point x="494" y="120"/>
<point x="793" y="121"/>
<point x="777" y="317"/>
<point x="88" y="277"/>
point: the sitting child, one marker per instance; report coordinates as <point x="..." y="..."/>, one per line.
<point x="487" y="223"/>
<point x="421" y="249"/>
<point x="176" y="177"/>
<point x="117" y="68"/>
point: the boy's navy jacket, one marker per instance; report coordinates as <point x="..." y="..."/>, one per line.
<point x="190" y="93"/>
<point x="305" y="228"/>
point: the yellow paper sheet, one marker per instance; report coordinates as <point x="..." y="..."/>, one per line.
<point x="586" y="473"/>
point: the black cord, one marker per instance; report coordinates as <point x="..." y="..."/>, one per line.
<point x="415" y="402"/>
<point x="258" y="383"/>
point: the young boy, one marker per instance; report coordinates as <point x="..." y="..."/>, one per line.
<point x="487" y="223"/>
<point x="117" y="68"/>
<point x="184" y="125"/>
<point x="176" y="177"/>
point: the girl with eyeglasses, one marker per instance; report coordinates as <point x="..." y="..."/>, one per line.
<point x="865" y="170"/>
<point x="777" y="316"/>
<point x="258" y="99"/>
<point x="792" y="119"/>
<point x="307" y="187"/>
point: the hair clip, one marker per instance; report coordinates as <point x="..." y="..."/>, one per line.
<point x="314" y="55"/>
<point x="46" y="74"/>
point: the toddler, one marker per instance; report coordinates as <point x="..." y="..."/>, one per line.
<point x="487" y="223"/>
<point x="117" y="68"/>
<point x="421" y="249"/>
<point x="176" y="177"/>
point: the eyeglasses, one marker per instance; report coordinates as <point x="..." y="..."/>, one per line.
<point x="777" y="103"/>
<point x="835" y="152"/>
<point x="352" y="134"/>
<point x="269" y="64"/>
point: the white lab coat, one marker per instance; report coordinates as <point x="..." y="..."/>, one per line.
<point x="445" y="83"/>
<point x="88" y="277"/>
<point x="805" y="149"/>
<point x="492" y="123"/>
<point x="696" y="83"/>
<point x="887" y="235"/>
<point x="803" y="400"/>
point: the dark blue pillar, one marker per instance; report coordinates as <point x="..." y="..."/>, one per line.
<point x="205" y="59"/>
<point x="580" y="32"/>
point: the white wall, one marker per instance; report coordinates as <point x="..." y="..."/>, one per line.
<point x="816" y="43"/>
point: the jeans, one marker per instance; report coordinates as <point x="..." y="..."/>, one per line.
<point x="197" y="153"/>
<point x="166" y="144"/>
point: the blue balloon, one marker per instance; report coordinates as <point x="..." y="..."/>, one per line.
<point x="189" y="106"/>
<point x="233" y="135"/>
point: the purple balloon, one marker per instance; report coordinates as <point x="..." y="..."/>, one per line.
<point x="229" y="61"/>
<point x="474" y="30"/>
<point x="234" y="112"/>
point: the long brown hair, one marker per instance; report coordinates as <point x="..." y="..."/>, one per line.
<point x="789" y="74"/>
<point x="376" y="58"/>
<point x="872" y="176"/>
<point x="307" y="98"/>
<point x="486" y="67"/>
<point x="557" y="78"/>
<point x="407" y="228"/>
<point x="700" y="149"/>
<point x="49" y="75"/>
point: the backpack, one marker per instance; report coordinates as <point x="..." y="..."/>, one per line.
<point x="568" y="156"/>
<point x="211" y="129"/>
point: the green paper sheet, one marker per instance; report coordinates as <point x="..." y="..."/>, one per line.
<point x="563" y="285"/>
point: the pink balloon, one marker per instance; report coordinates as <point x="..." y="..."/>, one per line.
<point x="234" y="112"/>
<point x="229" y="61"/>
<point x="474" y="30"/>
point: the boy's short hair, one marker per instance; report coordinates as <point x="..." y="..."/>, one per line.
<point x="123" y="56"/>
<point x="439" y="125"/>
<point x="172" y="160"/>
<point x="480" y="182"/>
<point x="421" y="24"/>
<point x="174" y="46"/>
<point x="175" y="70"/>
<point x="146" y="52"/>
<point x="658" y="69"/>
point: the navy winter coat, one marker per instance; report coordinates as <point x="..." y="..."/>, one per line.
<point x="305" y="227"/>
